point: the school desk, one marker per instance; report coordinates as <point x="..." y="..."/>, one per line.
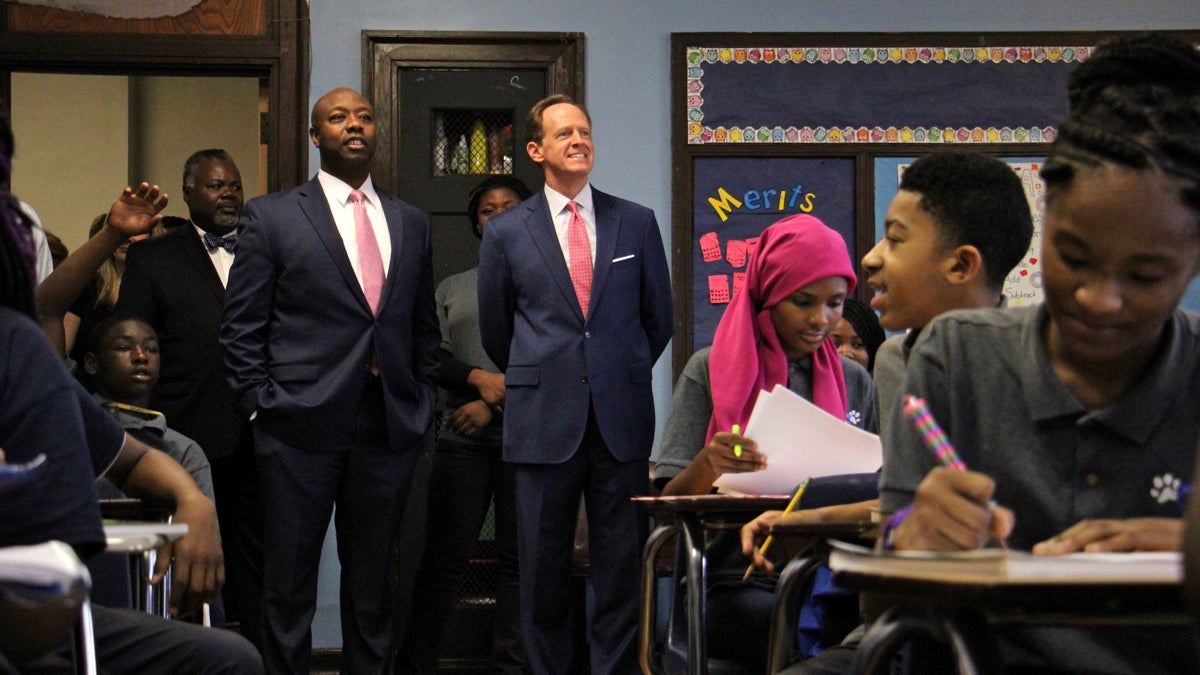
<point x="689" y="517"/>
<point x="963" y="613"/>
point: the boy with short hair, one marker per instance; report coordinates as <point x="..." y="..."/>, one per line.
<point x="123" y="360"/>
<point x="958" y="225"/>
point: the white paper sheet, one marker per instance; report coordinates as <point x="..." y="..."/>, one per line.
<point x="800" y="441"/>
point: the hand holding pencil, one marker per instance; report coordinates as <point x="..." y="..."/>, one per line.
<point x="730" y="452"/>
<point x="762" y="550"/>
<point x="952" y="508"/>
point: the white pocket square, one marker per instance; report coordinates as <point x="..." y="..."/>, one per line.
<point x="624" y="257"/>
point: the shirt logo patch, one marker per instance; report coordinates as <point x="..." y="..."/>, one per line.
<point x="854" y="417"/>
<point x="1165" y="488"/>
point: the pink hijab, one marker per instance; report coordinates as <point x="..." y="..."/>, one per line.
<point x="746" y="355"/>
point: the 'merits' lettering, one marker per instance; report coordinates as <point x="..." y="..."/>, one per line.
<point x="794" y="198"/>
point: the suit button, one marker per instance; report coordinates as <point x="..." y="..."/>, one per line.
<point x="583" y="379"/>
<point x="587" y="335"/>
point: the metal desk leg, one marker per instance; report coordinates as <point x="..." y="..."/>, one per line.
<point x="147" y="598"/>
<point x="693" y="537"/>
<point x="654" y="543"/>
<point x="85" y="641"/>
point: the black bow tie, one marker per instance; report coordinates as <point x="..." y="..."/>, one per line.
<point x="228" y="242"/>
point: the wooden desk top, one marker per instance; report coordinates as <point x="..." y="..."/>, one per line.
<point x="714" y="503"/>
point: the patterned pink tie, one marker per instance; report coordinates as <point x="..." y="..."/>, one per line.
<point x="580" y="253"/>
<point x="369" y="258"/>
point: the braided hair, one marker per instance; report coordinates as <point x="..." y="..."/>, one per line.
<point x="16" y="238"/>
<point x="1135" y="102"/>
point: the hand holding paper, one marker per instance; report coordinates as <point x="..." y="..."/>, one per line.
<point x="800" y="440"/>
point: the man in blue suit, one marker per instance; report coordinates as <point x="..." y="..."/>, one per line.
<point x="575" y="307"/>
<point x="331" y="345"/>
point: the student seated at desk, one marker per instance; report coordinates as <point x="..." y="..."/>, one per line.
<point x="774" y="331"/>
<point x="123" y="362"/>
<point x="1081" y="420"/>
<point x="959" y="223"/>
<point x="43" y="411"/>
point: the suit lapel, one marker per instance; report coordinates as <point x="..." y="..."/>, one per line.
<point x="608" y="230"/>
<point x="541" y="231"/>
<point x="395" y="223"/>
<point x="317" y="209"/>
<point x="193" y="251"/>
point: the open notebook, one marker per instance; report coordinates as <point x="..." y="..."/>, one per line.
<point x="997" y="566"/>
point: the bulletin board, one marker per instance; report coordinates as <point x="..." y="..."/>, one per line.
<point x="766" y="125"/>
<point x="1023" y="285"/>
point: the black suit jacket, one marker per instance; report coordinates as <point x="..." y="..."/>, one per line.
<point x="170" y="281"/>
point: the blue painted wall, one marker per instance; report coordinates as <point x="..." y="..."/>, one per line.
<point x="628" y="80"/>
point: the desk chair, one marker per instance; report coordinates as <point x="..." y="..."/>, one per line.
<point x="829" y="613"/>
<point x="43" y="596"/>
<point x="680" y="647"/>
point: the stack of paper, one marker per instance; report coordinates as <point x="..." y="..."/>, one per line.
<point x="998" y="566"/>
<point x="800" y="441"/>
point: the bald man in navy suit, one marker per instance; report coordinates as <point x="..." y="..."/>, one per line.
<point x="575" y="307"/>
<point x="336" y="367"/>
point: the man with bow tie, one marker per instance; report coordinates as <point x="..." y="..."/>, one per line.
<point x="177" y="283"/>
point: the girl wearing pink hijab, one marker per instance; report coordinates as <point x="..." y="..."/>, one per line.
<point x="774" y="331"/>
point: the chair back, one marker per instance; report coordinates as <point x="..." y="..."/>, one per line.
<point x="43" y="595"/>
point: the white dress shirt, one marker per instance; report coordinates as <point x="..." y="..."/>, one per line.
<point x="222" y="260"/>
<point x="337" y="194"/>
<point x="562" y="218"/>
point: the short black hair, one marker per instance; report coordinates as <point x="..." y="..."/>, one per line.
<point x="866" y="324"/>
<point x="497" y="182"/>
<point x="977" y="201"/>
<point x="192" y="164"/>
<point x="1136" y="103"/>
<point x="106" y="326"/>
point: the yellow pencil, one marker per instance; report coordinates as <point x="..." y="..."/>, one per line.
<point x="762" y="550"/>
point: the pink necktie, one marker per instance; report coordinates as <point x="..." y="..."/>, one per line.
<point x="369" y="259"/>
<point x="580" y="253"/>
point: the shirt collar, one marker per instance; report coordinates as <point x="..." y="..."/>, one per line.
<point x="130" y="419"/>
<point x="1137" y="413"/>
<point x="557" y="201"/>
<point x="340" y="190"/>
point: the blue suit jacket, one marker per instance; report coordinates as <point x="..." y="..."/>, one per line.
<point x="299" y="335"/>
<point x="554" y="362"/>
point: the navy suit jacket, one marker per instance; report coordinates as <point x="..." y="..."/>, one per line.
<point x="170" y="281"/>
<point x="299" y="336"/>
<point x="555" y="364"/>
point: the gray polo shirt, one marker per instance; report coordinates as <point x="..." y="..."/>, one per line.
<point x="988" y="381"/>
<point x="890" y="361"/>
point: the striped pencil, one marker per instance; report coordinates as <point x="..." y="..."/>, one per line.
<point x="931" y="433"/>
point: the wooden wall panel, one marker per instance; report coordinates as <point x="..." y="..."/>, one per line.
<point x="209" y="17"/>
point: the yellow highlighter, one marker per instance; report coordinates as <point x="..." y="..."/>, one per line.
<point x="737" y="447"/>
